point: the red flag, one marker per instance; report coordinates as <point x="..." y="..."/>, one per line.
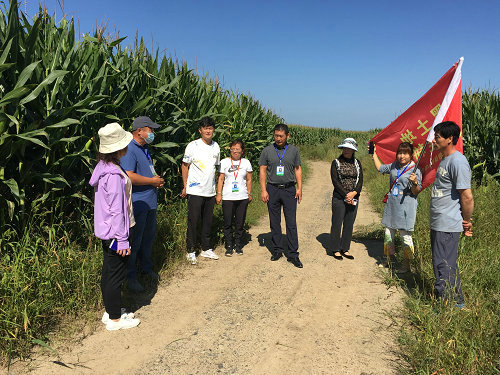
<point x="443" y="102"/>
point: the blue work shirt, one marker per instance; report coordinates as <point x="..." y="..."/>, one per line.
<point x="138" y="160"/>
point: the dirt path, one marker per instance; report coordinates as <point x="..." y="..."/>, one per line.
<point x="248" y="315"/>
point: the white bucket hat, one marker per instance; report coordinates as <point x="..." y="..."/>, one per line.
<point x="113" y="138"/>
<point x="349" y="143"/>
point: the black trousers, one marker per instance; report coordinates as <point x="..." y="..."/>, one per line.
<point x="444" y="246"/>
<point x="235" y="213"/>
<point x="114" y="271"/>
<point x="343" y="216"/>
<point x="283" y="198"/>
<point x="204" y="207"/>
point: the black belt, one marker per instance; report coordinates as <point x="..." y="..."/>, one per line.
<point x="283" y="186"/>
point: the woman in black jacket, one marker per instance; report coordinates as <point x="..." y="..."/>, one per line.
<point x="347" y="179"/>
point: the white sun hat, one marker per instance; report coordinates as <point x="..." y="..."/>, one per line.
<point x="349" y="143"/>
<point x="113" y="138"/>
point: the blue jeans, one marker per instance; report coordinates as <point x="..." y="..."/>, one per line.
<point x="142" y="236"/>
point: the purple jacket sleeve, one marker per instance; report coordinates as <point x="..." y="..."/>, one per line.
<point x="119" y="222"/>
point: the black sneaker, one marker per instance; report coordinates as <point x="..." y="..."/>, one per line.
<point x="229" y="252"/>
<point x="239" y="251"/>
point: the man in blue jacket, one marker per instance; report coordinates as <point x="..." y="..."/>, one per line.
<point x="139" y="166"/>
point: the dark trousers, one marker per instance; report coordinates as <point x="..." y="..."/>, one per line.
<point x="283" y="198"/>
<point x="234" y="212"/>
<point x="114" y="269"/>
<point x="444" y="247"/>
<point x="204" y="207"/>
<point x="343" y="216"/>
<point x="142" y="237"/>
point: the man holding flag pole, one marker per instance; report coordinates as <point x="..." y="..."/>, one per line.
<point x="451" y="202"/>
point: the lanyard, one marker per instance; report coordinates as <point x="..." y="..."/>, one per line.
<point x="403" y="171"/>
<point x="282" y="156"/>
<point x="124" y="171"/>
<point x="146" y="152"/>
<point x="238" y="171"/>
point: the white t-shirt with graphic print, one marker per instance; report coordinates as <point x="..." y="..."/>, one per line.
<point x="203" y="160"/>
<point x="232" y="191"/>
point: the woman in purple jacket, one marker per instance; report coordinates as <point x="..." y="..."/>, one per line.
<point x="113" y="217"/>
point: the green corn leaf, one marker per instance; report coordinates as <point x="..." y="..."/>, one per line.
<point x="26" y="74"/>
<point x="64" y="123"/>
<point x="82" y="197"/>
<point x="139" y="106"/>
<point x="116" y="42"/>
<point x="5" y="52"/>
<point x="47" y="81"/>
<point x="33" y="140"/>
<point x="14" y="188"/>
<point x="6" y="66"/>
<point x="165" y="145"/>
<point x="13" y="95"/>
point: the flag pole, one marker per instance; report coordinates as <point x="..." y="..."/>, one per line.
<point x="420" y="156"/>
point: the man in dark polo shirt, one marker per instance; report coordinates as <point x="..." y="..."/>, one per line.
<point x="279" y="170"/>
<point x="145" y="181"/>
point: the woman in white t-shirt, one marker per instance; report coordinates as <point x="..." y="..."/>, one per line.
<point x="236" y="176"/>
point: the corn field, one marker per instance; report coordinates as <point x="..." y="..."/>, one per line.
<point x="481" y="132"/>
<point x="306" y="135"/>
<point x="55" y="93"/>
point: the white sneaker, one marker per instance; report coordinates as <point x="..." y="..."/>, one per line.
<point x="209" y="254"/>
<point x="125" y="314"/>
<point x="191" y="258"/>
<point x="123" y="323"/>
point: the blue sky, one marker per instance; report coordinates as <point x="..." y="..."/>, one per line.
<point x="352" y="65"/>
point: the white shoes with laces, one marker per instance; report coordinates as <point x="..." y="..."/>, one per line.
<point x="125" y="315"/>
<point x="209" y="254"/>
<point x="123" y="323"/>
<point x="126" y="321"/>
<point x="191" y="258"/>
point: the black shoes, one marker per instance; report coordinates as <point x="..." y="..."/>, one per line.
<point x="275" y="257"/>
<point x="296" y="262"/>
<point x="338" y="257"/>
<point x="347" y="255"/>
<point x="238" y="251"/>
<point x="229" y="252"/>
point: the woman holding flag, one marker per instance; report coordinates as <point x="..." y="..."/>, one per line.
<point x="401" y="202"/>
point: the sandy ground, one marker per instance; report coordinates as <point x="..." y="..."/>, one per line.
<point x="248" y="315"/>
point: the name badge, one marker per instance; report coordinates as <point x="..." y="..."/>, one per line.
<point x="152" y="168"/>
<point x="395" y="191"/>
<point x="280" y="170"/>
<point x="234" y="187"/>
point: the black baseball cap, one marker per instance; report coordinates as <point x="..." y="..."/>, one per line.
<point x="142" y="121"/>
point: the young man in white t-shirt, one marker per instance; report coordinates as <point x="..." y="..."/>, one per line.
<point x="199" y="164"/>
